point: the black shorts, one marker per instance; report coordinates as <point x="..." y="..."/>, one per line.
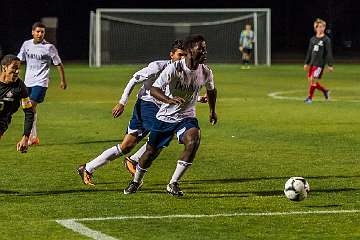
<point x="247" y="50"/>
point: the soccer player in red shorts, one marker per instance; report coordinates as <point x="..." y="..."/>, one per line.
<point x="318" y="54"/>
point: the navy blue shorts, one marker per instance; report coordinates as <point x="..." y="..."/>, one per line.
<point x="37" y="93"/>
<point x="248" y="50"/>
<point x="143" y="118"/>
<point x="162" y="132"/>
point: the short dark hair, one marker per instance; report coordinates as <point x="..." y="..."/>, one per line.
<point x="177" y="44"/>
<point x="39" y="25"/>
<point x="8" y="59"/>
<point x="191" y="40"/>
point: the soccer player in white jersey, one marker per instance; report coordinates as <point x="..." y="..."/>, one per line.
<point x="38" y="54"/>
<point x="142" y="119"/>
<point x="246" y="45"/>
<point x="178" y="87"/>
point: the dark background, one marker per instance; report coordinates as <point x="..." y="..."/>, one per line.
<point x="291" y="22"/>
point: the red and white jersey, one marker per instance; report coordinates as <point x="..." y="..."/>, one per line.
<point x="38" y="59"/>
<point x="177" y="80"/>
<point x="147" y="76"/>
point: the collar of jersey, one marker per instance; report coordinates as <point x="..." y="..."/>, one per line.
<point x="186" y="67"/>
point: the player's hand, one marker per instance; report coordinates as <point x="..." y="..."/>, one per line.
<point x="118" y="110"/>
<point x="241" y="48"/>
<point x="22" y="145"/>
<point x="213" y="118"/>
<point x="330" y="68"/>
<point x="306" y="67"/>
<point x="202" y="99"/>
<point x="63" y="85"/>
<point x="176" y="101"/>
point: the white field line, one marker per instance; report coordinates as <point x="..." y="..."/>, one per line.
<point x="79" y="228"/>
<point x="85" y="231"/>
<point x="278" y="95"/>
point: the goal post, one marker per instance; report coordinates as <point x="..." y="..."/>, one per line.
<point x="119" y="36"/>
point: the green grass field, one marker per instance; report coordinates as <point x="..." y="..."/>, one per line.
<point x="241" y="166"/>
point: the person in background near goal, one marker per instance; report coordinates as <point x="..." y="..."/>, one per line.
<point x="13" y="93"/>
<point x="142" y="119"/>
<point x="178" y="87"/>
<point x="318" y="54"/>
<point x="246" y="46"/>
<point x="38" y="54"/>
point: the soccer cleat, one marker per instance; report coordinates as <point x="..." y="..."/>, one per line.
<point x="133" y="187"/>
<point x="33" y="141"/>
<point x="86" y="177"/>
<point x="327" y="94"/>
<point x="174" y="189"/>
<point x="130" y="165"/>
<point x="308" y="100"/>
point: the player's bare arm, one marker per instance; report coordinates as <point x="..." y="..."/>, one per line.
<point x="212" y="94"/>
<point x="60" y="68"/>
<point x="159" y="95"/>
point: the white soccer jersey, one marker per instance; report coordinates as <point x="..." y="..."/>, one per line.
<point x="147" y="76"/>
<point x="38" y="59"/>
<point x="177" y="80"/>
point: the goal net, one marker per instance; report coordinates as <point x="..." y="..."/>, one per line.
<point x="125" y="36"/>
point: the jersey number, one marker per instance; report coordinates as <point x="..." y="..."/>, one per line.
<point x="316" y="48"/>
<point x="2" y="105"/>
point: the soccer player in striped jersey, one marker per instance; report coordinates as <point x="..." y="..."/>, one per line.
<point x="38" y="54"/>
<point x="142" y="119"/>
<point x="178" y="87"/>
<point x="13" y="93"/>
<point x="318" y="54"/>
<point x="246" y="45"/>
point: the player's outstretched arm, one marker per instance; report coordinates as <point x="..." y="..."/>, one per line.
<point x="211" y="95"/>
<point x="60" y="68"/>
<point x="159" y="95"/>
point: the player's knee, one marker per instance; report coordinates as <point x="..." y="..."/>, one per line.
<point x="150" y="151"/>
<point x="126" y="147"/>
<point x="193" y="141"/>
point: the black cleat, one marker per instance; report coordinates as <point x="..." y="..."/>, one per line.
<point x="327" y="94"/>
<point x="174" y="189"/>
<point x="133" y="187"/>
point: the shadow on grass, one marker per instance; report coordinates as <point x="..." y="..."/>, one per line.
<point x="55" y="192"/>
<point x="239" y="180"/>
<point x="222" y="194"/>
<point x="193" y="191"/>
<point x="324" y="206"/>
<point x="71" y="143"/>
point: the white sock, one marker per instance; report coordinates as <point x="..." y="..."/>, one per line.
<point x="33" y="132"/>
<point x="104" y="158"/>
<point x="181" y="167"/>
<point x="136" y="156"/>
<point x="139" y="174"/>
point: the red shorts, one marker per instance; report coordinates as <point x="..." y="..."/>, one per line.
<point x="315" y="72"/>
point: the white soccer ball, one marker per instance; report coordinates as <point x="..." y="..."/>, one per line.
<point x="296" y="188"/>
